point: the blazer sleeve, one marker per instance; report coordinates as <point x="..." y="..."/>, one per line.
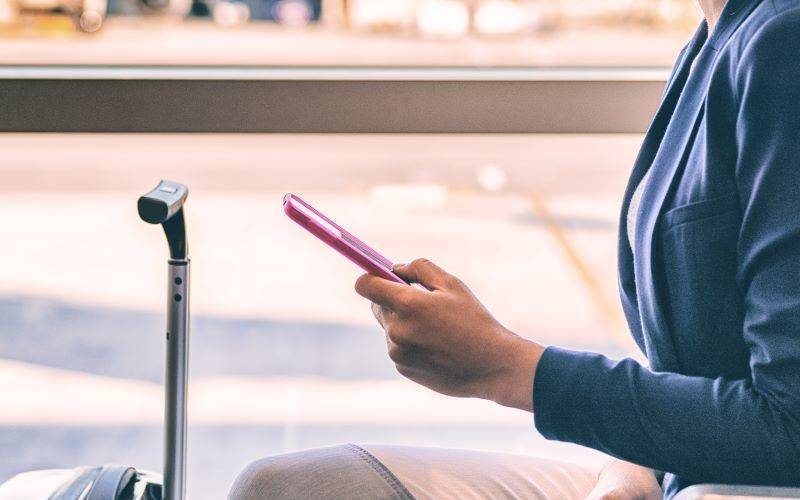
<point x="729" y="431"/>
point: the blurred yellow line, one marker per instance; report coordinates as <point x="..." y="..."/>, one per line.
<point x="609" y="313"/>
<point x="37" y="25"/>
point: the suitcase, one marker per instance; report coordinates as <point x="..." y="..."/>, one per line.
<point x="163" y="205"/>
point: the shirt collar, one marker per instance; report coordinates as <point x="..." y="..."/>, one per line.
<point x="733" y="14"/>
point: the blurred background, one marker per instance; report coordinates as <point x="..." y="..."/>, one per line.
<point x="284" y="355"/>
<point x="345" y="32"/>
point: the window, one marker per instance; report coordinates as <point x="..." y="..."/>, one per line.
<point x="469" y="33"/>
<point x="496" y="143"/>
<point x="284" y="356"/>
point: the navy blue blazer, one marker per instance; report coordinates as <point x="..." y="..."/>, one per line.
<point x="711" y="291"/>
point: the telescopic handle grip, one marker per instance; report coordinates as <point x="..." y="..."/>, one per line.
<point x="160" y="204"/>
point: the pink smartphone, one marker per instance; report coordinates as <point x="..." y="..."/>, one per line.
<point x="338" y="238"/>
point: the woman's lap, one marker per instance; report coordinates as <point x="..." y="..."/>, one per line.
<point x="403" y="472"/>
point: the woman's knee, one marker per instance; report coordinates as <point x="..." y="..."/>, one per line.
<point x="344" y="471"/>
<point x="262" y="479"/>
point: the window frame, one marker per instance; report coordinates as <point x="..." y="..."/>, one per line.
<point x="155" y="99"/>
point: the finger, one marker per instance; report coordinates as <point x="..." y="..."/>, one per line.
<point x="412" y="372"/>
<point x="426" y="273"/>
<point x="405" y="354"/>
<point x="383" y="292"/>
<point x="381" y="313"/>
<point x="396" y="353"/>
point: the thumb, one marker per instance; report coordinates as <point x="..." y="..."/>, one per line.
<point x="381" y="291"/>
<point x="426" y="273"/>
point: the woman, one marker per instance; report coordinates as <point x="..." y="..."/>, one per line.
<point x="709" y="273"/>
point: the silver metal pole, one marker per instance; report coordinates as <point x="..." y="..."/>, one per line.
<point x="176" y="380"/>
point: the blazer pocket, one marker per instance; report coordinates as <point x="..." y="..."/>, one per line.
<point x="703" y="209"/>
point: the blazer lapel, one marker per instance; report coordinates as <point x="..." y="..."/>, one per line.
<point x="644" y="161"/>
<point x="673" y="154"/>
<point x="669" y="159"/>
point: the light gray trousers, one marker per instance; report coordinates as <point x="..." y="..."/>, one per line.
<point x="403" y="473"/>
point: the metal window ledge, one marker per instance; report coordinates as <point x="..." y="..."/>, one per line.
<point x="327" y="100"/>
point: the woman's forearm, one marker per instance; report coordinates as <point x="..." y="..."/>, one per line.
<point x="722" y="430"/>
<point x="515" y="388"/>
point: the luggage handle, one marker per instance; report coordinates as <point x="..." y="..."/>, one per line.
<point x="164" y="205"/>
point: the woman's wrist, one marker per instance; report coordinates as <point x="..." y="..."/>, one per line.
<point x="513" y="387"/>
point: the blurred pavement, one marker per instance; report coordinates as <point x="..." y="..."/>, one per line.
<point x="284" y="354"/>
<point x="200" y="42"/>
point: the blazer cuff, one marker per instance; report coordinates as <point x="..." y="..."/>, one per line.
<point x="560" y="402"/>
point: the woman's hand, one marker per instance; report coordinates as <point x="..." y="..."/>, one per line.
<point x="444" y="339"/>
<point x="625" y="481"/>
